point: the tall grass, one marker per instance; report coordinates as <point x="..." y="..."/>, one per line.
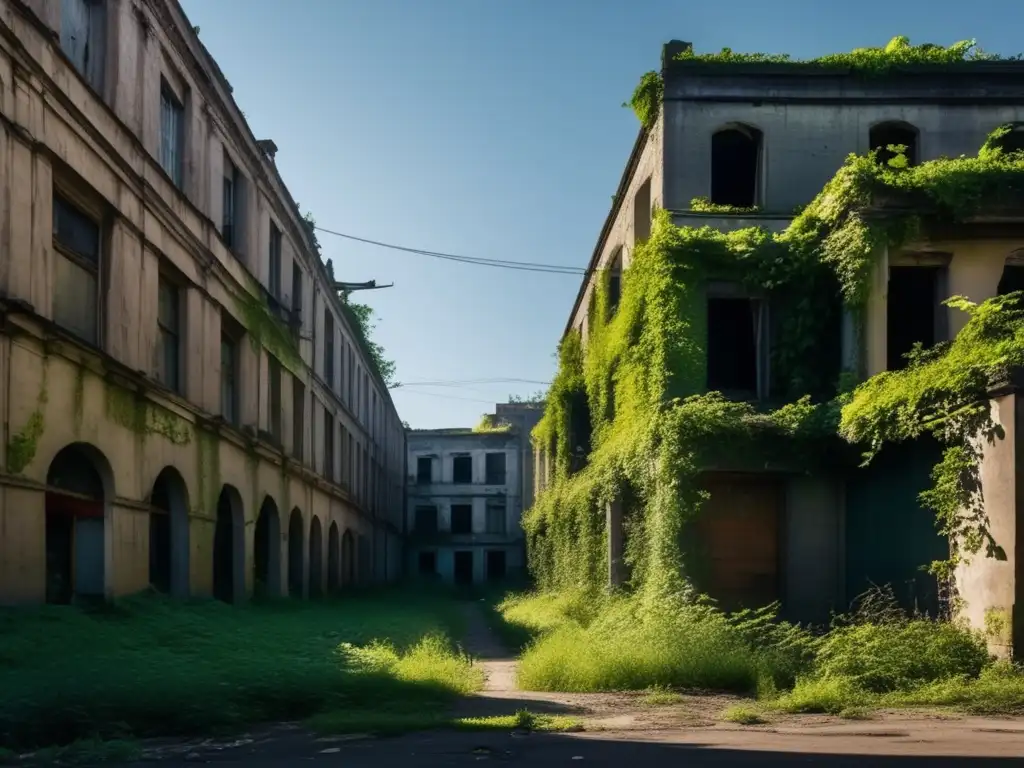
<point x="150" y="666"/>
<point x="880" y="657"/>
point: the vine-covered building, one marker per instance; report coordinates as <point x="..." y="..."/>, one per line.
<point x="723" y="266"/>
<point x="186" y="402"/>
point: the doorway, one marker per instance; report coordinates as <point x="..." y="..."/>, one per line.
<point x="496" y="565"/>
<point x="463" y="570"/>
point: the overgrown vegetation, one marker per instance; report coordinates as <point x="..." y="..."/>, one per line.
<point x="149" y="666"/>
<point x="491" y="423"/>
<point x="871" y="61"/>
<point x="704" y="205"/>
<point x="628" y="417"/>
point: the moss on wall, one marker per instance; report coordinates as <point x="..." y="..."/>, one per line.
<point x="133" y="412"/>
<point x="266" y="330"/>
<point x="208" y="469"/>
<point x="23" y="445"/>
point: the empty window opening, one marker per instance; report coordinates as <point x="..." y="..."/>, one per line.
<point x="424" y="470"/>
<point x="228" y="546"/>
<point x="328" y="347"/>
<point x="462" y="518"/>
<point x="462" y="470"/>
<point x="912" y="310"/>
<point x="75" y="501"/>
<point x="229" y="214"/>
<point x="267" y="551"/>
<point x="735" y="162"/>
<point x="329" y="426"/>
<point x="734" y="329"/>
<point x="642" y="213"/>
<point x="580" y="429"/>
<point x="274" y="262"/>
<point x="316" y="558"/>
<point x="463" y="568"/>
<point x="76" y="240"/>
<point x="428" y="563"/>
<point x="494" y="468"/>
<point x="1012" y="279"/>
<point x="296" y="550"/>
<point x="495" y="565"/>
<point x="333" y="559"/>
<point x="426" y="520"/>
<point x="884" y="135"/>
<point x="299" y="420"/>
<point x="495" y="522"/>
<point x="348" y="559"/>
<point x="229" y="379"/>
<point x="274" y="392"/>
<point x="296" y="295"/>
<point x="614" y="283"/>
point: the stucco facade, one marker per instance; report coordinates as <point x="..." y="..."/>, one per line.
<point x="465" y="506"/>
<point x="166" y="322"/>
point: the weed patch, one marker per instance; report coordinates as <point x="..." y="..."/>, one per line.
<point x="743" y="715"/>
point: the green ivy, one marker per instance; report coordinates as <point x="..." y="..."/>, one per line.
<point x="647" y="97"/>
<point x="23" y="445"/>
<point x="638" y="383"/>
<point x="704" y="205"/>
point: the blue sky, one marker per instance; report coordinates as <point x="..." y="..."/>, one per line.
<point x="493" y="128"/>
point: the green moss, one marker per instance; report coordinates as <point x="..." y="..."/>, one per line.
<point x="634" y="397"/>
<point x="266" y="330"/>
<point x="208" y="469"/>
<point x="23" y="445"/>
<point x="704" y="205"/>
<point x="133" y="412"/>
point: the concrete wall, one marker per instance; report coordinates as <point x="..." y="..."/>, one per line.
<point x="100" y="148"/>
<point x="813" y="548"/>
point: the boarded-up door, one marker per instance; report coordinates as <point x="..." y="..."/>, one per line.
<point x="737" y="540"/>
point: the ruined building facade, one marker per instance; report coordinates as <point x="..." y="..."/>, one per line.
<point x="186" y="404"/>
<point x="757" y="141"/>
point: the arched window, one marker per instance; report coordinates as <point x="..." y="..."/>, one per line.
<point x="892" y="132"/>
<point x="735" y="165"/>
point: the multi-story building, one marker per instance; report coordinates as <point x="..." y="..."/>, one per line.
<point x="731" y="146"/>
<point x="186" y="403"/>
<point x="465" y="504"/>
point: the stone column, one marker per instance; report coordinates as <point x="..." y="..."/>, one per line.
<point x="616" y="541"/>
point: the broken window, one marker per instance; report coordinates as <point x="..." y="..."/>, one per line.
<point x="614" y="282"/>
<point x="172" y="134"/>
<point x="462" y="470"/>
<point x="229" y="379"/>
<point x="495" y="522"/>
<point x="428" y="563"/>
<point x="737" y="343"/>
<point x="424" y="470"/>
<point x="298" y="418"/>
<point x="328" y="347"/>
<point x="328" y="445"/>
<point x="83" y="33"/>
<point x="495" y="564"/>
<point x="274" y="260"/>
<point x="897" y="133"/>
<point x="76" y="241"/>
<point x="274" y="389"/>
<point x="494" y="466"/>
<point x="462" y="518"/>
<point x="169" y="323"/>
<point x="228" y="215"/>
<point x="914" y="312"/>
<point x="642" y="213"/>
<point x="426" y="519"/>
<point x="735" y="165"/>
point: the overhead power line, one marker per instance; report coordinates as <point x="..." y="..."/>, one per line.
<point x="448" y="397"/>
<point x="461" y="382"/>
<point x="524" y="266"/>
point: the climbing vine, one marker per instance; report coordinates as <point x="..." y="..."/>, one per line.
<point x="22" y="446"/>
<point x="704" y="205"/>
<point x="628" y="417"/>
<point x="647" y="98"/>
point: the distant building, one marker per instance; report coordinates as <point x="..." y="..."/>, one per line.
<point x="466" y="491"/>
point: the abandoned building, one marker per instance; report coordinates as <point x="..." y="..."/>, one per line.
<point x="465" y="503"/>
<point x="187" y="405"/>
<point x="744" y="146"/>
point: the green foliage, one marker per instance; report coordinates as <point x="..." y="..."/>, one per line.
<point x="362" y="318"/>
<point x="704" y="205"/>
<point x="491" y="423"/>
<point x="266" y="330"/>
<point x="646" y="99"/>
<point x="23" y="444"/>
<point x="535" y="398"/>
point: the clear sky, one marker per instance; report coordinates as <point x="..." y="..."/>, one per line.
<point x="493" y="128"/>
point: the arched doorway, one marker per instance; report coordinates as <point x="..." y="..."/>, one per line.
<point x="348" y="559"/>
<point x="78" y="484"/>
<point x="333" y="559"/>
<point x="229" y="547"/>
<point x="295" y="554"/>
<point x="316" y="558"/>
<point x="736" y="165"/>
<point x="267" y="551"/>
<point x="169" y="534"/>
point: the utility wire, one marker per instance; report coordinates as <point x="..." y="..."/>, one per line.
<point x="460" y="382"/>
<point x="525" y="266"/>
<point x="449" y="397"/>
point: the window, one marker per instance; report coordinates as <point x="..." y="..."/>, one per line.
<point x="341" y="379"/>
<point x="172" y="134"/>
<point x="462" y="470"/>
<point x="424" y="470"/>
<point x="735" y="166"/>
<point x="228" y="379"/>
<point x="642" y="213"/>
<point x="228" y="227"/>
<point x="614" y="282"/>
<point x="329" y="347"/>
<point x="357" y="481"/>
<point x="274" y="388"/>
<point x="328" y="445"/>
<point x="274" y="277"/>
<point x="495" y="522"/>
<point x="351" y="374"/>
<point x="297" y="293"/>
<point x="462" y="518"/>
<point x="344" y="450"/>
<point x="494" y="465"/>
<point x="737" y="343"/>
<point x="428" y="563"/>
<point x="352" y="476"/>
<point x="298" y="418"/>
<point x="426" y="519"/>
<point x="83" y="27"/>
<point x="76" y="240"/>
<point x="898" y="133"/>
<point x="915" y="313"/>
<point x="495" y="564"/>
<point x="169" y="324"/>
